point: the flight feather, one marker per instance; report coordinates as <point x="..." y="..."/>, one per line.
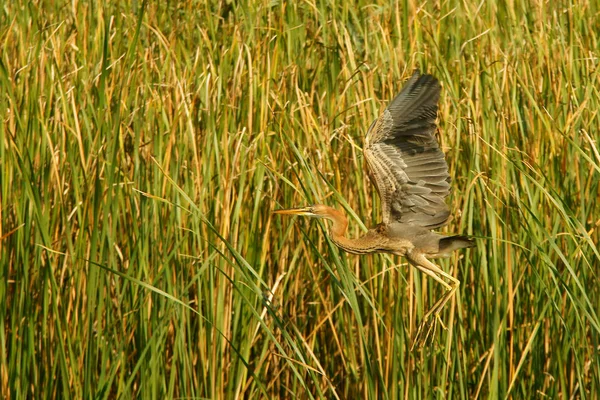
<point x="405" y="162"/>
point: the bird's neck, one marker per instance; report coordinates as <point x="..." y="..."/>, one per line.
<point x="338" y="235"/>
<point x="339" y="223"/>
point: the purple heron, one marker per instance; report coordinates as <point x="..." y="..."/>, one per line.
<point x="409" y="171"/>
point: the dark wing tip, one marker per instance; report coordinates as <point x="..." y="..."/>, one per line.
<point x="418" y="99"/>
<point x="426" y="81"/>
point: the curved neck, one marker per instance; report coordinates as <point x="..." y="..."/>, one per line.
<point x="339" y="223"/>
<point x="338" y="232"/>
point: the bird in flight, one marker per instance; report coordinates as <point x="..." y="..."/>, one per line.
<point x="410" y="173"/>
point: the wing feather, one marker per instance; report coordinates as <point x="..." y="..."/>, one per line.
<point x="404" y="160"/>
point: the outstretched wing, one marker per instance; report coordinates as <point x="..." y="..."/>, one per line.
<point x="405" y="162"/>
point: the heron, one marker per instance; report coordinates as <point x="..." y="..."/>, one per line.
<point x="409" y="171"/>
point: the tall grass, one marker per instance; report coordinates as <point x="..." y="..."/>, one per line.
<point x="145" y="145"/>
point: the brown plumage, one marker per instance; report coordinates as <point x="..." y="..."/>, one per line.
<point x="410" y="173"/>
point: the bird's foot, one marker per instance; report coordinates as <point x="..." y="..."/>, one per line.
<point x="425" y="332"/>
<point x="439" y="319"/>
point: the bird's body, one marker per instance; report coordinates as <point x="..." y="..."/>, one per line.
<point x="411" y="176"/>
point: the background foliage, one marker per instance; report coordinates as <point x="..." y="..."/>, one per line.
<point x="144" y="147"/>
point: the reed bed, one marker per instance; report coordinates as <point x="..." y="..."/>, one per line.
<point x="144" y="146"/>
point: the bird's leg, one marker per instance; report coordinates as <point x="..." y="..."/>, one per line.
<point x="432" y="317"/>
<point x="427" y="326"/>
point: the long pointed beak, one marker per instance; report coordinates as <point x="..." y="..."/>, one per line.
<point x="296" y="211"/>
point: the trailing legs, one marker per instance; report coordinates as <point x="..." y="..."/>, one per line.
<point x="427" y="327"/>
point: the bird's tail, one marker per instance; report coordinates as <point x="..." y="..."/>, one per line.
<point x="451" y="243"/>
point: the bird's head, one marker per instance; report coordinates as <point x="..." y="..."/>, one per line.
<point x="339" y="220"/>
